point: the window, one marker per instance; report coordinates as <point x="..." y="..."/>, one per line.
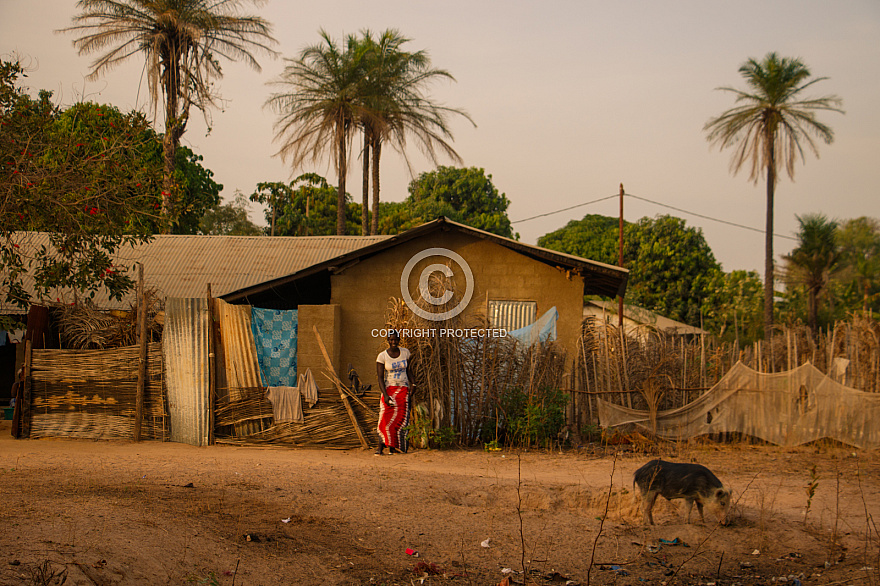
<point x="512" y="315"/>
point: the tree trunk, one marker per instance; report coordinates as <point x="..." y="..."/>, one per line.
<point x="168" y="150"/>
<point x="377" y="153"/>
<point x="175" y="126"/>
<point x="813" y="306"/>
<point x="768" y="244"/>
<point x="365" y="220"/>
<point x="342" y="167"/>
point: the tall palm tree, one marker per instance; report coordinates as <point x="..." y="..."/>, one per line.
<point x="396" y="105"/>
<point x="771" y="127"/>
<point x="813" y="261"/>
<point x="181" y="41"/>
<point x="319" y="107"/>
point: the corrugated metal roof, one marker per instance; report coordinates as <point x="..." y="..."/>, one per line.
<point x="599" y="278"/>
<point x="185" y="342"/>
<point x="182" y="266"/>
<point x="641" y="316"/>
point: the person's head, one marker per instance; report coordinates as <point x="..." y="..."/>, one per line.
<point x="393" y="338"/>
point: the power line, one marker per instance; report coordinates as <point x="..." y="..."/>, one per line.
<point x="662" y="205"/>
<point x="734" y="224"/>
<point x="568" y="208"/>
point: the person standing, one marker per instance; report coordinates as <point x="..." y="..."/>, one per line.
<point x="395" y="376"/>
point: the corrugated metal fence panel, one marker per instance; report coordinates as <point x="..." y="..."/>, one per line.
<point x="239" y="348"/>
<point x="239" y="357"/>
<point x="185" y="341"/>
<point x="512" y="315"/>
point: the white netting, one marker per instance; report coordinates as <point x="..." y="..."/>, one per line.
<point x="787" y="408"/>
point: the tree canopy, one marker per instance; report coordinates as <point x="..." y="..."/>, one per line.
<point x="594" y="237"/>
<point x="181" y="42"/>
<point x="465" y="195"/>
<point x="79" y="175"/>
<point x="230" y="219"/>
<point x="672" y="269"/>
<point x="812" y="263"/>
<point x="305" y="207"/>
<point x="334" y="88"/>
<point x="90" y="175"/>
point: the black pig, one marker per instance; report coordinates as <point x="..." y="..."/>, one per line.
<point x="692" y="482"/>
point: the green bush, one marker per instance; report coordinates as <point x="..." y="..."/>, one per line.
<point x="530" y="420"/>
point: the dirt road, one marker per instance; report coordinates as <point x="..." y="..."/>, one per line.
<point x="163" y="513"/>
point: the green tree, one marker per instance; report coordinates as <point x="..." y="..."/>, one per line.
<point x="672" y="269"/>
<point x="859" y="242"/>
<point x="230" y="219"/>
<point x="397" y="107"/>
<point x="811" y="264"/>
<point x="732" y="309"/>
<point x="465" y="195"/>
<point x="594" y="237"/>
<point x="274" y="195"/>
<point x="671" y="266"/>
<point x="197" y="191"/>
<point x="80" y="176"/>
<point x="319" y="107"/>
<point x="305" y="207"/>
<point x="769" y="129"/>
<point x="181" y="42"/>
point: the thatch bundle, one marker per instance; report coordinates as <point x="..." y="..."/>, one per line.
<point x="82" y="325"/>
<point x="327" y="424"/>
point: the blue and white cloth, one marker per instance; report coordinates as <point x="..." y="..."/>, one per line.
<point x="275" y="336"/>
<point x="543" y="330"/>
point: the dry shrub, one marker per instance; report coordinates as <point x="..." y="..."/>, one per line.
<point x="462" y="382"/>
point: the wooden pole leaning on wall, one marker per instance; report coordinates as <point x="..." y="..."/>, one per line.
<point x="342" y="395"/>
<point x="142" y="354"/>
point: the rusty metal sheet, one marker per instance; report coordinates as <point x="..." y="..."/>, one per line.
<point x="185" y="344"/>
<point x="238" y="358"/>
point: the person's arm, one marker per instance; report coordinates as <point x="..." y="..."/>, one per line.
<point x="380" y="374"/>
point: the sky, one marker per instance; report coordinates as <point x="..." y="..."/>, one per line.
<point x="570" y="99"/>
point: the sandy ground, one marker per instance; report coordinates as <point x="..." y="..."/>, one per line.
<point x="86" y="512"/>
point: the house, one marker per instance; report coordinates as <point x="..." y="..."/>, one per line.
<point x="346" y="297"/>
<point x="635" y="317"/>
<point x="341" y="287"/>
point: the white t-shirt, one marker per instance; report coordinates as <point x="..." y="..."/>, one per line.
<point x="395" y="368"/>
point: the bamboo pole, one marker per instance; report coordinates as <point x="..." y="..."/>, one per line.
<point x="212" y="366"/>
<point x="142" y="354"/>
<point x="342" y="395"/>
<point x="25" y="411"/>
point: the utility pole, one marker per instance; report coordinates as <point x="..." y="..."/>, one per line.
<point x="620" y="261"/>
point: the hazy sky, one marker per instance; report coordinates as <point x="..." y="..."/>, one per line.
<point x="570" y="98"/>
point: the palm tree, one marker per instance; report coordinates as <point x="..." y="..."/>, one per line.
<point x="181" y="41"/>
<point x="319" y="108"/>
<point x="771" y="127"/>
<point x="813" y="261"/>
<point x="396" y="106"/>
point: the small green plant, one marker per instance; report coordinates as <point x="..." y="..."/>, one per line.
<point x="492" y="446"/>
<point x="209" y="580"/>
<point x="445" y="437"/>
<point x="591" y="433"/>
<point x="422" y="435"/>
<point x="810" y="488"/>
